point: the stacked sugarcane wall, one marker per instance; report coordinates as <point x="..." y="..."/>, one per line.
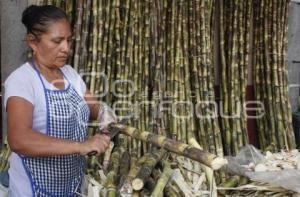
<point x="153" y="61"/>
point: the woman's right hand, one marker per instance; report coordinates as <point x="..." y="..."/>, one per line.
<point x="98" y="143"/>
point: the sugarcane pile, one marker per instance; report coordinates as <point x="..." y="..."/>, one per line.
<point x="157" y="173"/>
<point x="235" y="21"/>
<point x="270" y="75"/>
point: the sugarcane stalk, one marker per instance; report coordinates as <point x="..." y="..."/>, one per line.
<point x="202" y="156"/>
<point x="78" y="33"/>
<point x="162" y="181"/>
<point x="107" y="155"/>
<point x="93" y="45"/>
<point x="135" y="166"/>
<point x="289" y="131"/>
<point x="209" y="35"/>
<point x="125" y="163"/>
<point x="145" y="171"/>
<point x="149" y="186"/>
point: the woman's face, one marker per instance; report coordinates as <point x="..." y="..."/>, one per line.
<point x="53" y="47"/>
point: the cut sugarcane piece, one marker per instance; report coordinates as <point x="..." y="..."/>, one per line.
<point x="145" y="171"/>
<point x="202" y="156"/>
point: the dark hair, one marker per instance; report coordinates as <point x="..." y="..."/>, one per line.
<point x="37" y="18"/>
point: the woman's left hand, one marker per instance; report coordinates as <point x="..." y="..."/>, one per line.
<point x="106" y="116"/>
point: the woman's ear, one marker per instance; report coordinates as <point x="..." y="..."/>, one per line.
<point x="31" y="41"/>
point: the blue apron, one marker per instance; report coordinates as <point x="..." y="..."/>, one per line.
<point x="67" y="116"/>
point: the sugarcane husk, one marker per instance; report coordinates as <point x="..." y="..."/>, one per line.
<point x="171" y="192"/>
<point x="202" y="156"/>
<point x="180" y="182"/>
<point x="208" y="172"/>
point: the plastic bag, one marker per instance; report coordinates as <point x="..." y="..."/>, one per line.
<point x="247" y="155"/>
<point x="288" y="179"/>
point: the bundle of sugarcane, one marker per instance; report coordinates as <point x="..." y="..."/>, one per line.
<point x="154" y="175"/>
<point x="234" y="48"/>
<point x="270" y="74"/>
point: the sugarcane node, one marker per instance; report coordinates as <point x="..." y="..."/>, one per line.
<point x="156" y="140"/>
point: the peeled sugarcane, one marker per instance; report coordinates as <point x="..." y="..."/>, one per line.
<point x="202" y="156"/>
<point x="145" y="171"/>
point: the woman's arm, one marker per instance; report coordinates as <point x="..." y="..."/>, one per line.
<point x="93" y="104"/>
<point x="24" y="140"/>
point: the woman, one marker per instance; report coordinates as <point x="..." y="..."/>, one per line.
<point x="48" y="107"/>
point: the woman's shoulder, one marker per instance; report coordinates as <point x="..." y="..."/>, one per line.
<point x="23" y="73"/>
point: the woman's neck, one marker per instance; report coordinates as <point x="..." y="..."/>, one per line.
<point x="46" y="69"/>
<point x="52" y="74"/>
